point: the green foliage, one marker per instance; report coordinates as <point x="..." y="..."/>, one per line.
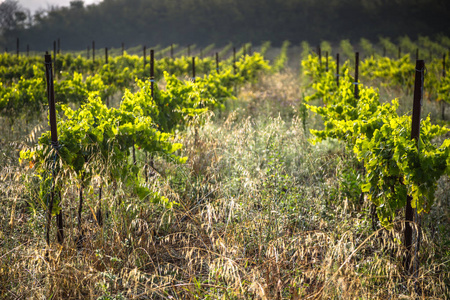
<point x="306" y="50"/>
<point x="395" y="165"/>
<point x="395" y="72"/>
<point x="347" y="49"/>
<point x="27" y="96"/>
<point x="366" y="46"/>
<point x="215" y="88"/>
<point x="391" y="48"/>
<point x="76" y="90"/>
<point x="12" y="68"/>
<point x="282" y="59"/>
<point x="265" y="47"/>
<point x="323" y="82"/>
<point x="225" y="50"/>
<point x="400" y="73"/>
<point x="250" y="67"/>
<point x="443" y="91"/>
<point x="431" y="46"/>
<point x="95" y="136"/>
<point x="325" y="46"/>
<point x="407" y="45"/>
<point x="206" y="50"/>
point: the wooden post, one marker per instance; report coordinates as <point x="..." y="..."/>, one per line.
<point x="418" y="96"/>
<point x="326" y="61"/>
<point x="98" y="214"/>
<point x="193" y="69"/>
<point x="443" y="76"/>
<point x="337" y="69"/>
<point x="17" y="46"/>
<point x="443" y="65"/>
<point x="54" y="58"/>
<point x="93" y="52"/>
<point x="54" y="140"/>
<point x="60" y="224"/>
<point x="319" y="53"/>
<point x="145" y="56"/>
<point x="356" y="75"/>
<point x="80" y="237"/>
<point x="234" y="60"/>
<point x="415" y="134"/>
<point x="51" y="99"/>
<point x="106" y="62"/>
<point x="217" y="62"/>
<point x="152" y="73"/>
<point x="152" y="89"/>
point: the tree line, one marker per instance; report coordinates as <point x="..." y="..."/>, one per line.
<point x="202" y="22"/>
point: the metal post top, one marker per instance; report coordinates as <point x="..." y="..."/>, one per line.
<point x="420" y="62"/>
<point x="48" y="58"/>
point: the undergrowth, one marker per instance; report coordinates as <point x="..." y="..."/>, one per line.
<point x="259" y="213"/>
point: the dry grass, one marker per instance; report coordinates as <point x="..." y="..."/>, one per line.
<point x="262" y="214"/>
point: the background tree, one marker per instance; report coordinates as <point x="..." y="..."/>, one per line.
<point x="202" y="22"/>
<point x="12" y="16"/>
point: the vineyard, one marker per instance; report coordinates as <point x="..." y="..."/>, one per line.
<point x="227" y="173"/>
